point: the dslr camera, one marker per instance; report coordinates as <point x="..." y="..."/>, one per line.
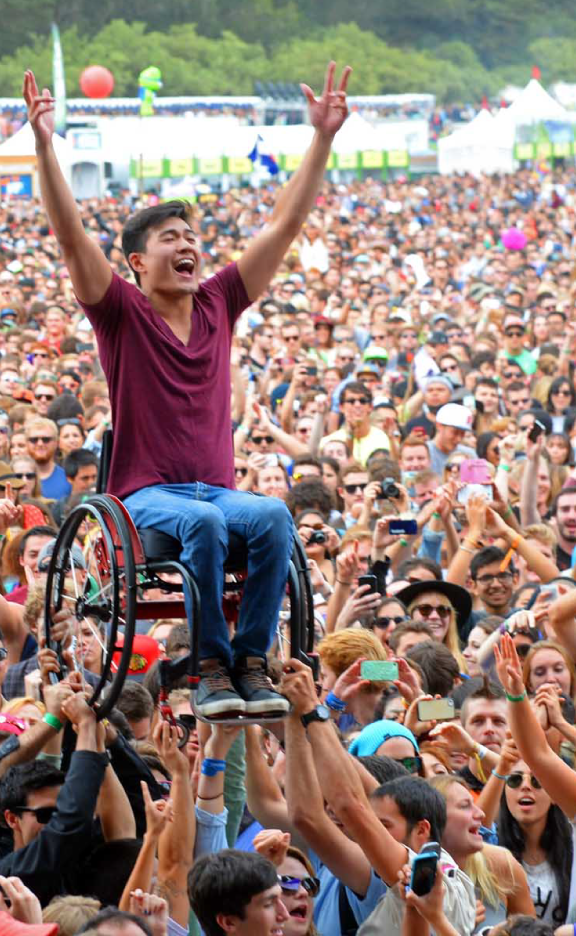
<point x="389" y="488"/>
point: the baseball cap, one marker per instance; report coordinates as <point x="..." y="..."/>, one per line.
<point x="7" y="313"/>
<point x="11" y="927"/>
<point x="373" y="352"/>
<point x="368" y="369"/>
<point x="440" y="317"/>
<point x="398" y="315"/>
<point x="9" y="724"/>
<point x="455" y="415"/>
<point x="145" y="652"/>
<point x="323" y="320"/>
<point x="45" y="555"/>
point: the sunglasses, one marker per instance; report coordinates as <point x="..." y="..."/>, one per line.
<point x="448" y="370"/>
<point x="241" y="471"/>
<point x="426" y="610"/>
<point x="292" y="884"/>
<point x="514" y="333"/>
<point x="43" y="813"/>
<point x="71" y="421"/>
<point x="561" y="393"/>
<point x="45" y="439"/>
<point x="412" y="764"/>
<point x="387" y="621"/>
<point x="257" y="440"/>
<point x="514" y="781"/>
<point x="363" y="400"/>
<point x="352" y="488"/>
<point x="291" y="337"/>
<point x="43" y="354"/>
<point x="510" y="375"/>
<point x="44" y="396"/>
<point x="25" y="475"/>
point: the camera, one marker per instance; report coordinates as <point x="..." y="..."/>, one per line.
<point x="389" y="488"/>
<point x="317" y="536"/>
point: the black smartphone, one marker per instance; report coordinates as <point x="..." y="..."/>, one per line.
<point x="312" y="371"/>
<point x="402" y="527"/>
<point x="536" y="431"/>
<point x="424" y="869"/>
<point x="370" y="580"/>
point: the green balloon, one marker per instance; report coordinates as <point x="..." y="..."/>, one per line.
<point x="150" y="78"/>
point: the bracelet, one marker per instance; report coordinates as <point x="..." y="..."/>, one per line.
<point x="498" y="776"/>
<point x="334" y="703"/>
<point x="340" y="582"/>
<point x="51" y="720"/>
<point x="504" y="467"/>
<point x="508" y="511"/>
<point x="211" y="766"/>
<point x="403" y="542"/>
<point x="218" y="795"/>
<point x="471" y="542"/>
<point x="481" y="773"/>
<point x="467" y="549"/>
<point x="481" y="751"/>
<point x="516" y="698"/>
<point x="436" y="515"/>
<point x="243" y="428"/>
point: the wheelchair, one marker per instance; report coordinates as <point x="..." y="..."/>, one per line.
<point x="122" y="564"/>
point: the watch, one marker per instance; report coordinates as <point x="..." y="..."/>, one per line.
<point x="321" y="713"/>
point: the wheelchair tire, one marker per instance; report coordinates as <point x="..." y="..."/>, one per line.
<point x="108" y="593"/>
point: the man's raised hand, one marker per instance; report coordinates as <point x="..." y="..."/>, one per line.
<point x="330" y="110"/>
<point x="40" y="109"/>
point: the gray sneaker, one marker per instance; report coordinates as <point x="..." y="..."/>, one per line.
<point x="251" y="682"/>
<point x="216" y="695"/>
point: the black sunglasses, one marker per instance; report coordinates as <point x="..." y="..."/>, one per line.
<point x="292" y="884"/>
<point x="387" y="621"/>
<point x="514" y="781"/>
<point x="257" y="440"/>
<point x="363" y="399"/>
<point x="241" y="471"/>
<point x="25" y="475"/>
<point x="352" y="488"/>
<point x="45" y="439"/>
<point x="43" y="813"/>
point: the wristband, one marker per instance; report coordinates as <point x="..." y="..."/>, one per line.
<point x="51" y="720"/>
<point x="508" y="511"/>
<point x="467" y="549"/>
<point x="436" y="515"/>
<point x="334" y="703"/>
<point x="211" y="766"/>
<point x="516" y="698"/>
<point x="218" y="795"/>
<point x="504" y="467"/>
<point x="243" y="428"/>
<point x="498" y="776"/>
<point x="481" y="773"/>
<point x="403" y="542"/>
<point x="480" y="751"/>
<point x="340" y="582"/>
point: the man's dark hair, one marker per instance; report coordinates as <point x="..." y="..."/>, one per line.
<point x="438" y="665"/>
<point x="383" y="467"/>
<point x="152" y="682"/>
<point x="23" y="779"/>
<point x="383" y="768"/>
<point x="520" y="924"/>
<point x="39" y="530"/>
<point x="489" y="691"/>
<point x="310" y="494"/>
<point x="409" y="627"/>
<point x="418" y="562"/>
<point x="416" y="800"/>
<point x="138" y="227"/>
<point x="355" y="386"/>
<point x="178" y="639"/>
<point x="225" y="883"/>
<point x="483" y="357"/>
<point x="78" y="458"/>
<point x="485" y="557"/>
<point x="567" y="489"/>
<point x="116" y="918"/>
<point x="514" y="386"/>
<point x="486" y="382"/>
<point x="135" y="702"/>
<point x="306" y="459"/>
<point x="65" y="406"/>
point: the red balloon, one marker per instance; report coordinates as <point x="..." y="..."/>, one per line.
<point x="96" y="81"/>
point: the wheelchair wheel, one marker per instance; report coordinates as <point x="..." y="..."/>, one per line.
<point x="102" y="596"/>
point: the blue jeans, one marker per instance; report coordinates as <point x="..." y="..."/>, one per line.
<point x="200" y="516"/>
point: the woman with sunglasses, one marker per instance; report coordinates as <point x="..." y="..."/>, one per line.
<point x="445" y="607"/>
<point x="561" y="396"/>
<point x="299" y="887"/>
<point x="391" y="612"/>
<point x="24" y="469"/>
<point x="539" y="836"/>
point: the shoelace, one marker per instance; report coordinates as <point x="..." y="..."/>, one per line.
<point x="218" y="680"/>
<point x="257" y="679"/>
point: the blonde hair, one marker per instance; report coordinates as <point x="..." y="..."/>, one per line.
<point x="40" y="423"/>
<point x="548" y="645"/>
<point x="451" y="639"/>
<point x="491" y="889"/>
<point x="543" y="533"/>
<point x="70" y="913"/>
<point x="341" y="649"/>
<point x="14" y="705"/>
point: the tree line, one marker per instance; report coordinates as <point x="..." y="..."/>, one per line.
<point x="456" y="49"/>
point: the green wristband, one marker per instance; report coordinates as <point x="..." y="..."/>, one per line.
<point x="403" y="542"/>
<point x="516" y="698"/>
<point x="508" y="511"/>
<point x="504" y="467"/>
<point x="52" y="721"/>
<point x="436" y="515"/>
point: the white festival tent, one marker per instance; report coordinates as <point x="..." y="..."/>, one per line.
<point x="533" y="105"/>
<point x="18" y="155"/>
<point x="481" y="146"/>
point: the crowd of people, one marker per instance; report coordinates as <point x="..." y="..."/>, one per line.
<point x="404" y="390"/>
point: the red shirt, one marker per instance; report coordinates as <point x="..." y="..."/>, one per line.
<point x="170" y="401"/>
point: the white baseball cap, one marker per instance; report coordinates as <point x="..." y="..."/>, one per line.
<point x="455" y="415"/>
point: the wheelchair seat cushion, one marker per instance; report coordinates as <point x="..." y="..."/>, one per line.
<point x="161" y="546"/>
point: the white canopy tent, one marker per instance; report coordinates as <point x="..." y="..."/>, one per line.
<point x="532" y="105"/>
<point x="18" y="155"/>
<point x="478" y="147"/>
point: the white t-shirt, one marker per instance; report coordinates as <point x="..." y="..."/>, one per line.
<point x="459" y="903"/>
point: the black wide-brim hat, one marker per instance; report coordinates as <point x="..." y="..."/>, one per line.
<point x="458" y="597"/>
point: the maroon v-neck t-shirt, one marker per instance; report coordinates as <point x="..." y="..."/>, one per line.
<point x="170" y="401"/>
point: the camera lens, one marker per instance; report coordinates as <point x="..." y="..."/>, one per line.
<point x="389" y="488"/>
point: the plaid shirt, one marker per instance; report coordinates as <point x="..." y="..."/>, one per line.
<point x="14" y="685"/>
